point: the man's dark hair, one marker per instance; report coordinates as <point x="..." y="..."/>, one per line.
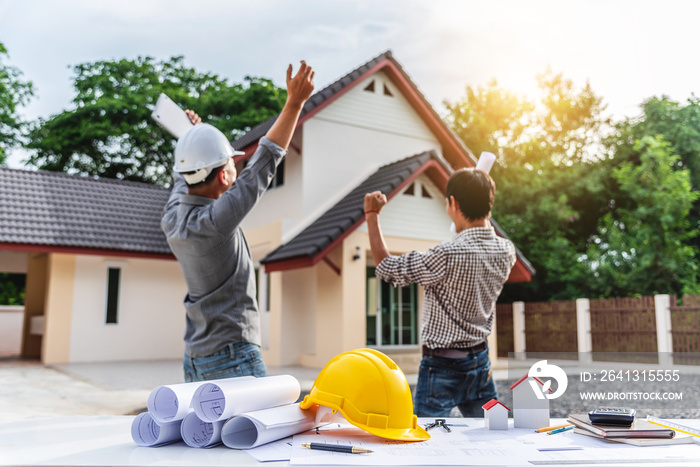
<point x="474" y="190"/>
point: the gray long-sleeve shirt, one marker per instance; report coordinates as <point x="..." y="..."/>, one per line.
<point x="206" y="237"/>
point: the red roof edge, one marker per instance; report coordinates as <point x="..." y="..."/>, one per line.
<point x="432" y="167"/>
<point x="32" y="248"/>
<point x="492" y="403"/>
<point x="454" y="153"/>
<point x="526" y="377"/>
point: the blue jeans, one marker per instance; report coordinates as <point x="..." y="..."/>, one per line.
<point x="445" y="383"/>
<point x="242" y="359"/>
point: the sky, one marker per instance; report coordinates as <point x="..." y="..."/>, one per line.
<point x="628" y="50"/>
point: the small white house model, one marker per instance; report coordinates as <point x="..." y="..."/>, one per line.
<point x="495" y="415"/>
<point x="530" y="406"/>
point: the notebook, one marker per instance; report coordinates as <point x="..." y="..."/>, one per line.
<point x="679" y="438"/>
<point x="640" y="428"/>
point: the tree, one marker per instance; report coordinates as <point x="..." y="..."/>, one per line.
<point x="14" y="93"/>
<point x="109" y="132"/>
<point x="550" y="191"/>
<point x="679" y="125"/>
<point x="643" y="248"/>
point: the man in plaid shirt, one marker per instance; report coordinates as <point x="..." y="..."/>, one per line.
<point x="462" y="279"/>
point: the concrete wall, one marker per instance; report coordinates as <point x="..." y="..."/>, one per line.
<point x="14" y="262"/>
<point x="151" y="317"/>
<point x="11" y="321"/>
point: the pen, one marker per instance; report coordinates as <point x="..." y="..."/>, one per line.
<point x="336" y="448"/>
<point x="550" y="428"/>
<point x="559" y="430"/>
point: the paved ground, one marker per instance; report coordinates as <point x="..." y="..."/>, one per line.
<point x="28" y="388"/>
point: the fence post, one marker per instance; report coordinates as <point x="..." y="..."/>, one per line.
<point x="662" y="306"/>
<point x="519" y="330"/>
<point x="583" y="331"/>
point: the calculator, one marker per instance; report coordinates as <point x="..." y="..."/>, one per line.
<point x="617" y="416"/>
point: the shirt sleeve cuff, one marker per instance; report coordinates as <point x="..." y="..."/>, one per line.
<point x="274" y="148"/>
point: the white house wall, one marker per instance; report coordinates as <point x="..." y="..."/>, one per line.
<point x="281" y="203"/>
<point x="151" y="316"/>
<point x="355" y="135"/>
<point x="414" y="216"/>
<point x="340" y="146"/>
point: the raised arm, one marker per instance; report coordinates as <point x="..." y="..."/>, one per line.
<point x="374" y="202"/>
<point x="299" y="89"/>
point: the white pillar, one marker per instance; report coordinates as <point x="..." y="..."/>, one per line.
<point x="583" y="331"/>
<point x="519" y="330"/>
<point x="662" y="305"/>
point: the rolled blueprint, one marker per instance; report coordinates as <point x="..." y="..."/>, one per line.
<point x="172" y="402"/>
<point x="486" y="160"/>
<point x="251" y="429"/>
<point x="197" y="433"/>
<point x="221" y="400"/>
<point x="145" y="431"/>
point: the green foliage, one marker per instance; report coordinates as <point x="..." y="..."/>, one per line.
<point x="14" y="93"/>
<point x="12" y="288"/>
<point x="110" y="133"/>
<point x="643" y="247"/>
<point x="550" y="191"/>
<point x="679" y="125"/>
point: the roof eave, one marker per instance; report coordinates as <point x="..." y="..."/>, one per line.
<point x="42" y="248"/>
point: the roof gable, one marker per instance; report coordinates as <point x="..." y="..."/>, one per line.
<point x="50" y="211"/>
<point x="318" y="239"/>
<point x="454" y="150"/>
<point x="494" y="403"/>
<point x="311" y="245"/>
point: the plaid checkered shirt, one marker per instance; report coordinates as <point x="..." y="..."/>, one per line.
<point x="462" y="279"/>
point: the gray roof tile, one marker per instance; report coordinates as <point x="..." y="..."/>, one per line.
<point x="338" y="219"/>
<point x="59" y="210"/>
<point x="336" y="222"/>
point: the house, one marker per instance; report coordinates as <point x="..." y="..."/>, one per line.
<point x="495" y="415"/>
<point x="529" y="410"/>
<point x="101" y="283"/>
<point x="370" y="130"/>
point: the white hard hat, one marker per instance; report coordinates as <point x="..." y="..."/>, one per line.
<point x="201" y="149"/>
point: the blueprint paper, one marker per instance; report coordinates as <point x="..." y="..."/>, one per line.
<point x="222" y="399"/>
<point x="145" y="431"/>
<point x="253" y="429"/>
<point x="197" y="433"/>
<point x="172" y="402"/>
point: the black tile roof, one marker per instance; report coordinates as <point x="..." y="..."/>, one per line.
<point x="60" y="210"/>
<point x="338" y="219"/>
<point x="350" y="210"/>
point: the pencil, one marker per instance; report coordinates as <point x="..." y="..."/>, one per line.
<point x="550" y="428"/>
<point x="336" y="448"/>
<point x="559" y="430"/>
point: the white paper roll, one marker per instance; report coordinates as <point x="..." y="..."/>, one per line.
<point x="172" y="402"/>
<point x="486" y="160"/>
<point x="252" y="429"/>
<point x="222" y="399"/>
<point x="146" y="431"/>
<point x="197" y="433"/>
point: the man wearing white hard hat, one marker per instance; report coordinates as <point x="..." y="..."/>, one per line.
<point x="202" y="224"/>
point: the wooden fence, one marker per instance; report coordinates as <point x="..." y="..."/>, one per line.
<point x="618" y="325"/>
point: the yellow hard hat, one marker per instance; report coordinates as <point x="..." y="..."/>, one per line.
<point x="371" y="392"/>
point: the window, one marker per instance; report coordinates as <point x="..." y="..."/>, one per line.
<point x="387" y="91"/>
<point x="392" y="313"/>
<point x="370" y="87"/>
<point x="113" y="278"/>
<point x="262" y="286"/>
<point x="278" y="179"/>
